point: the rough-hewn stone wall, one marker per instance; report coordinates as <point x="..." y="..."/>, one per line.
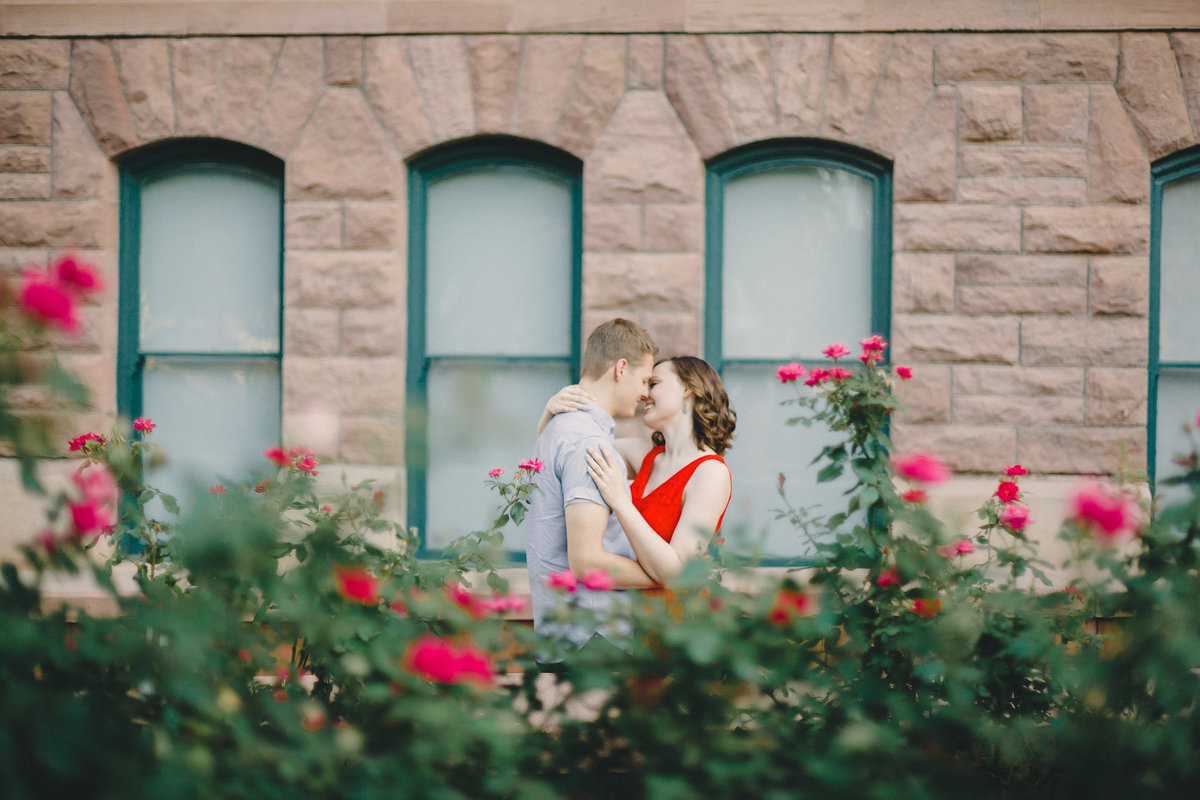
<point x="1021" y="217"/>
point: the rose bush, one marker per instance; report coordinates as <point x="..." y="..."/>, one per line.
<point x="283" y="643"/>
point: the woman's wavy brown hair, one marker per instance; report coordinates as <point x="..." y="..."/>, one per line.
<point x="713" y="420"/>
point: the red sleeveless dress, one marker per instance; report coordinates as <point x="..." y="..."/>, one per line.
<point x="663" y="506"/>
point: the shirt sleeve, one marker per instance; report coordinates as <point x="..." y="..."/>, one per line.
<point x="577" y="485"/>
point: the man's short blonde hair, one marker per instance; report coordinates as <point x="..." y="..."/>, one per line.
<point x="613" y="340"/>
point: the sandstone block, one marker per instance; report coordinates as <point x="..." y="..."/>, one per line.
<point x="994" y="409"/>
<point x="926" y="397"/>
<point x="986" y="379"/>
<point x="855" y="61"/>
<point x="34" y="63"/>
<point x="1022" y="300"/>
<point x="1056" y="113"/>
<point x="635" y="169"/>
<point x="340" y="280"/>
<point x="144" y="67"/>
<point x="440" y="68"/>
<point x="548" y="66"/>
<point x="1187" y="55"/>
<point x="295" y="89"/>
<point x="1116" y="396"/>
<point x="609" y="228"/>
<point x="1031" y="58"/>
<point x="81" y="169"/>
<point x="999" y="189"/>
<point x="691" y="84"/>
<point x="1119" y="171"/>
<point x="799" y="62"/>
<point x="246" y="77"/>
<point x="343" y="60"/>
<point x="923" y="282"/>
<point x="599" y="84"/>
<point x="925" y="168"/>
<point x="14" y="260"/>
<point x="743" y="65"/>
<point x="675" y="228"/>
<point x="25" y="117"/>
<point x="989" y="113"/>
<point x="58" y="224"/>
<point x="1120" y="285"/>
<point x="1089" y="450"/>
<point x="195" y="77"/>
<point x="1087" y="229"/>
<point x="644" y="281"/>
<point x="645" y="61"/>
<point x="1022" y="161"/>
<point x="1013" y="270"/>
<point x="1149" y="85"/>
<point x="25" y="186"/>
<point x="311" y="332"/>
<point x="677" y="333"/>
<point x="24" y="158"/>
<point x="342" y="385"/>
<point x="342" y="153"/>
<point x="372" y="331"/>
<point x="1084" y="341"/>
<point x="371" y="440"/>
<point x="645" y="114"/>
<point x="392" y="92"/>
<point x="951" y="227"/>
<point x="494" y="63"/>
<point x="938" y="339"/>
<point x="310" y="225"/>
<point x="315" y="429"/>
<point x="966" y="448"/>
<point x="373" y="226"/>
<point x="904" y="88"/>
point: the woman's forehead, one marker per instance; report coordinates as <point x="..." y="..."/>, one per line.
<point x="663" y="369"/>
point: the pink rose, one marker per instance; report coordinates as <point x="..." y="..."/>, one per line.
<point x="442" y="661"/>
<point x="307" y="464"/>
<point x="44" y="299"/>
<point x="357" y="585"/>
<point x="836" y="350"/>
<point x="927" y="608"/>
<point x="960" y="548"/>
<point x="889" y="577"/>
<point x="301" y="451"/>
<point x="872" y="349"/>
<point x="1015" y="517"/>
<point x="915" y="496"/>
<point x="922" y="467"/>
<point x="97" y="484"/>
<point x="144" y="425"/>
<point x="503" y="602"/>
<point x="217" y="490"/>
<point x="789" y="603"/>
<point x="905" y="373"/>
<point x="816" y="375"/>
<point x="465" y="600"/>
<point x="80" y="442"/>
<point x="838" y="374"/>
<point x="564" y="580"/>
<point x="495" y="473"/>
<point x="598" y="581"/>
<point x="790" y="372"/>
<point x="1016" y="471"/>
<point x="91" y="518"/>
<point x="75" y="275"/>
<point x="1108" y="514"/>
<point x="1008" y="491"/>
<point x="532" y="465"/>
<point x="277" y="457"/>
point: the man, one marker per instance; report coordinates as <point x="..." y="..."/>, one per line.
<point x="568" y="524"/>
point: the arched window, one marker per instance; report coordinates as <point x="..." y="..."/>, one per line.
<point x="798" y="257"/>
<point x="494" y="296"/>
<point x="1174" y="372"/>
<point x="199" y="336"/>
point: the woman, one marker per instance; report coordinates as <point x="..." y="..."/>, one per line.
<point x="683" y="486"/>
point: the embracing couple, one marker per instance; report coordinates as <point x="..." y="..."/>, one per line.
<point x="586" y="516"/>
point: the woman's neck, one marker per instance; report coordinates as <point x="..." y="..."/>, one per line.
<point x="679" y="441"/>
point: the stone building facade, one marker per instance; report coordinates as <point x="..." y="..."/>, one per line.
<point x="1021" y="137"/>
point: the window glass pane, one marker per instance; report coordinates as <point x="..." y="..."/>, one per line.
<point x="499" y="263"/>
<point x="1180" y="271"/>
<point x="485" y="416"/>
<point x="797" y="261"/>
<point x="215" y="417"/>
<point x="210" y="244"/>
<point x="1178" y="403"/>
<point x="765" y="446"/>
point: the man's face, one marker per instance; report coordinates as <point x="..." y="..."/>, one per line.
<point x="635" y="384"/>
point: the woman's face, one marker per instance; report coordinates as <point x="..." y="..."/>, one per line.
<point x="666" y="396"/>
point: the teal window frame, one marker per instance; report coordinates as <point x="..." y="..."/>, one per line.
<point x="1178" y="166"/>
<point x="793" y="152"/>
<point x="425" y="169"/>
<point x="136" y="168"/>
